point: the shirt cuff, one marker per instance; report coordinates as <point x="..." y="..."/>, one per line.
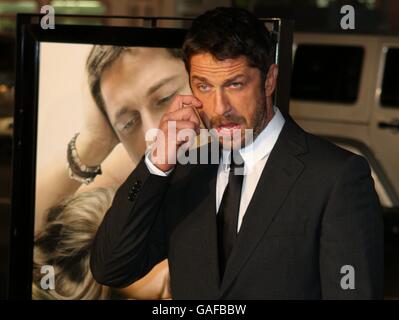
<point x="152" y="168"/>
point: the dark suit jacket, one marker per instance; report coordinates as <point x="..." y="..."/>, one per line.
<point x="314" y="211"/>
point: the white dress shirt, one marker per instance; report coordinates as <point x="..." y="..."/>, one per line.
<point x="255" y="157"/>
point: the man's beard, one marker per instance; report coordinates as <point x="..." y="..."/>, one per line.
<point x="259" y="117"/>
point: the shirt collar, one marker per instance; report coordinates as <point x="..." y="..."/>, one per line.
<point x="263" y="144"/>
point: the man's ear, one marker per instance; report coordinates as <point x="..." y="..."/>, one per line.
<point x="271" y="80"/>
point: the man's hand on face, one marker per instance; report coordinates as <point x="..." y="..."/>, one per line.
<point x="181" y="115"/>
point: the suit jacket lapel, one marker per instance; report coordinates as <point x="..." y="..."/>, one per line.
<point x="278" y="177"/>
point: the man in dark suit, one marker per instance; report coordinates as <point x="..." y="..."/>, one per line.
<point x="302" y="222"/>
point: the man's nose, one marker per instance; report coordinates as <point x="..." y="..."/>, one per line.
<point x="221" y="103"/>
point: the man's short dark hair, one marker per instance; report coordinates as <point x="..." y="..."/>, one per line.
<point x="228" y="33"/>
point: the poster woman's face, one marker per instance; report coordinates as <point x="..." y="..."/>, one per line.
<point x="137" y="89"/>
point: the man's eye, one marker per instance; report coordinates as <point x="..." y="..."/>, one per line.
<point x="130" y="124"/>
<point x="203" y="87"/>
<point x="236" y="85"/>
<point x="166" y="99"/>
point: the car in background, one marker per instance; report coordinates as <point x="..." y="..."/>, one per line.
<point x="345" y="88"/>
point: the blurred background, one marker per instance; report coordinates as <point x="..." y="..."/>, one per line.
<point x="345" y="86"/>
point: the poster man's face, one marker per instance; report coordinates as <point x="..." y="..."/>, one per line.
<point x="137" y="89"/>
<point x="232" y="94"/>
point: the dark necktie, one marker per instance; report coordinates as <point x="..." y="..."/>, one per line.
<point x="227" y="217"/>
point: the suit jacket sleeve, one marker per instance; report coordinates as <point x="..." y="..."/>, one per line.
<point x="131" y="238"/>
<point x="352" y="235"/>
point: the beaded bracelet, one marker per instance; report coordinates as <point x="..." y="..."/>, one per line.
<point x="77" y="170"/>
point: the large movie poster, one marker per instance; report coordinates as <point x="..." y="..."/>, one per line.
<point x="95" y="105"/>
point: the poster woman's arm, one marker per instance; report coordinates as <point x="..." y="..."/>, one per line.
<point x="94" y="143"/>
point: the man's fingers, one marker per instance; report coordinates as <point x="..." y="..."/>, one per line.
<point x="185" y="114"/>
<point x="182" y="124"/>
<point x="186" y="124"/>
<point x="191" y="100"/>
<point x="181" y="101"/>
